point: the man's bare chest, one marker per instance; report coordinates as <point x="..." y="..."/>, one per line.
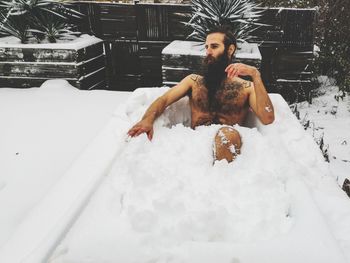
<point x="229" y="99"/>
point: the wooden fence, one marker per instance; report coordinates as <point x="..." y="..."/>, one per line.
<point x="135" y="34"/>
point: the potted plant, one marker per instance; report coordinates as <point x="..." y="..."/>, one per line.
<point x="40" y="41"/>
<point x="43" y="20"/>
<point x="181" y="58"/>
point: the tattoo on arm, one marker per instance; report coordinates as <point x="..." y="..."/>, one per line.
<point x="247" y="84"/>
<point x="194" y="77"/>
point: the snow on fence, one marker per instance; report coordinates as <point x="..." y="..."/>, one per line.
<point x="81" y="62"/>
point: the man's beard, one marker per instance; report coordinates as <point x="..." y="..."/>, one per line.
<point x="214" y="74"/>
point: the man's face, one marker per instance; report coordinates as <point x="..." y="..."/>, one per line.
<point x="214" y="46"/>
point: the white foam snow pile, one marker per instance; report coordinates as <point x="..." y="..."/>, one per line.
<point x="165" y="201"/>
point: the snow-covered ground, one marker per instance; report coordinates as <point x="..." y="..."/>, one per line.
<point x="328" y="117"/>
<point x="43" y="131"/>
<point x="164" y="201"/>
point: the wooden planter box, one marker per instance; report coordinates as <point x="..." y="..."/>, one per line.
<point x="181" y="58"/>
<point x="81" y="62"/>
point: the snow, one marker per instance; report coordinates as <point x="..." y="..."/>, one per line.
<point x="157" y="210"/>
<point x="91" y="194"/>
<point x="329" y="118"/>
<point x="44" y="131"/>
<point x="77" y="43"/>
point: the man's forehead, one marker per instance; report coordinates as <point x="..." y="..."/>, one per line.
<point x="215" y="38"/>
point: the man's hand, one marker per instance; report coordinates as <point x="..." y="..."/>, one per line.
<point x="159" y="105"/>
<point x="142" y="126"/>
<point x="239" y="69"/>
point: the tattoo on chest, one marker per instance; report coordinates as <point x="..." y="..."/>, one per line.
<point x="228" y="100"/>
<point x="230" y="92"/>
<point x="231" y="98"/>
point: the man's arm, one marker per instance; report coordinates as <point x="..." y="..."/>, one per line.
<point x="259" y="100"/>
<point x="145" y="125"/>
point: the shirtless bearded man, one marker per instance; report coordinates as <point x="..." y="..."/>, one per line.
<point x="219" y="96"/>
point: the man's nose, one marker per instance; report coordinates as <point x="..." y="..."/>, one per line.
<point x="209" y="51"/>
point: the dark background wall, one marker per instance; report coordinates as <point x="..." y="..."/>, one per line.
<point x="135" y="34"/>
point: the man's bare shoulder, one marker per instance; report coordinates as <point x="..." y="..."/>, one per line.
<point x="195" y="77"/>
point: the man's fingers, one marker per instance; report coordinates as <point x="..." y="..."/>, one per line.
<point x="230" y="74"/>
<point x="140" y="131"/>
<point x="150" y="134"/>
<point x="229" y="71"/>
<point x="133" y="130"/>
<point x="233" y="70"/>
<point x="234" y="73"/>
<point x="228" y="68"/>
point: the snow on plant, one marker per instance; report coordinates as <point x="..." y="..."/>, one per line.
<point x="307" y="124"/>
<point x="240" y="15"/>
<point x="40" y="19"/>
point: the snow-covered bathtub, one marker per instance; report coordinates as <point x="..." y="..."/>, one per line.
<point x="132" y="200"/>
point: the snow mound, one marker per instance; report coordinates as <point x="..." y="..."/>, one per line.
<point x="165" y="196"/>
<point x="169" y="187"/>
<point x="171" y="181"/>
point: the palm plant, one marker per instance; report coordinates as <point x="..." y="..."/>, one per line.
<point x="50" y="28"/>
<point x="40" y="19"/>
<point x="13" y="25"/>
<point x="240" y="15"/>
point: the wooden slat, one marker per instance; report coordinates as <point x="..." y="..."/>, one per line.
<point x="151" y="48"/>
<point x="90" y="24"/>
<point x="9" y="54"/>
<point x="36" y="70"/>
<point x="295" y="90"/>
<point x="292" y="64"/>
<point x="6" y="82"/>
<point x="151" y="81"/>
<point x="178" y="16"/>
<point x="150" y="62"/>
<point x="288" y="27"/>
<point x="27" y="82"/>
<point x="51" y="70"/>
<point x="116" y="10"/>
<point x="89" y="52"/>
<point x="92" y="65"/>
<point x="102" y="85"/>
<point x="125" y="59"/>
<point x="175" y="75"/>
<point x="118" y="21"/>
<point x="119" y="28"/>
<point x="298" y="27"/>
<point x="82" y="22"/>
<point x="126" y="82"/>
<point x="180" y="61"/>
<point x="86" y="82"/>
